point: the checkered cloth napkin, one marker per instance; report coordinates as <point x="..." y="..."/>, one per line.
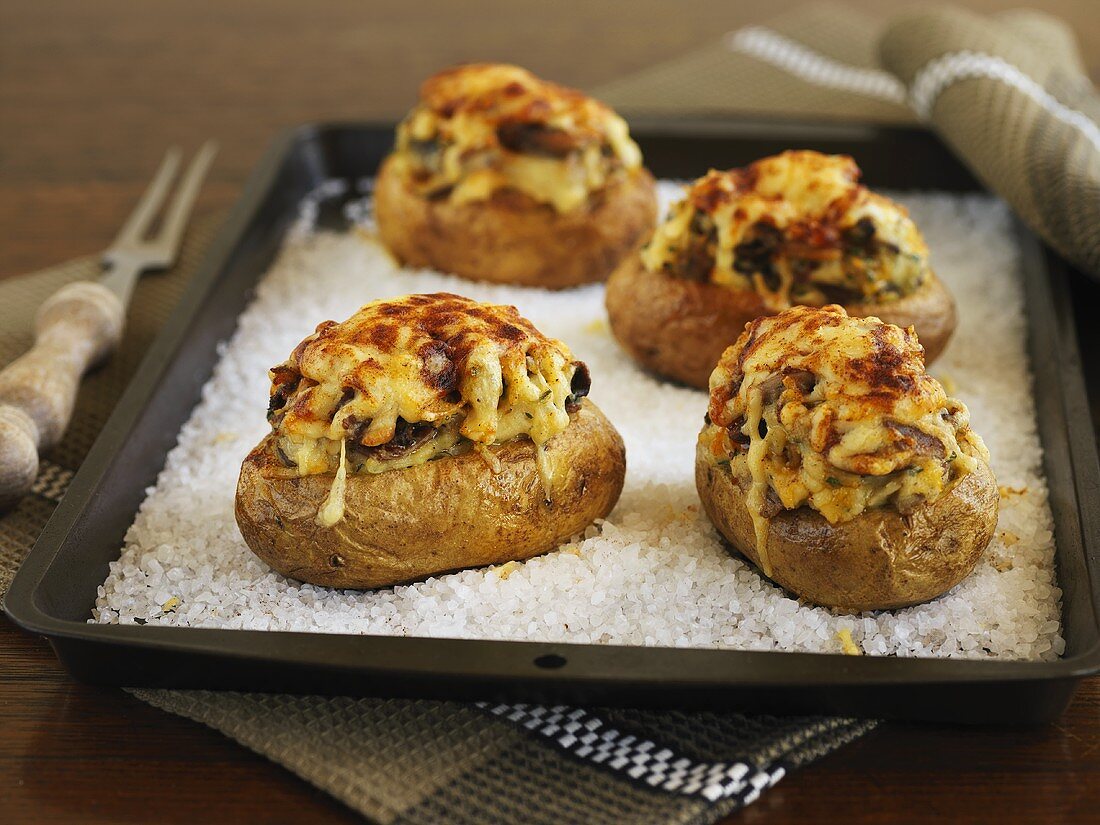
<point x="1009" y="94"/>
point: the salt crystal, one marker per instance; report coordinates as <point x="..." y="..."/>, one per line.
<point x="655" y="572"/>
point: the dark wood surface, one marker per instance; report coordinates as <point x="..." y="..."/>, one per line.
<point x="90" y="96"/>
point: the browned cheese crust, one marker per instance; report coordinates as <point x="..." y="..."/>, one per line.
<point x="878" y="560"/>
<point x="930" y="311"/>
<point x="679" y="328"/>
<point x="510" y="238"/>
<point x="442" y="515"/>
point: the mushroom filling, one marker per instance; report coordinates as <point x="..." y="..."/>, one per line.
<point x="547" y="163"/>
<point x="796" y="228"/>
<point x="412" y="443"/>
<point x="483" y="128"/>
<point x="788" y="434"/>
<point x="540" y="139"/>
<point x="835" y="413"/>
<point x="849" y="266"/>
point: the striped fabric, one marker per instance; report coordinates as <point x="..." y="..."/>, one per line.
<point x="1008" y="94"/>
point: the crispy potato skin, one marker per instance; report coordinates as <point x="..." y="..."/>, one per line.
<point x="512" y="239"/>
<point x="879" y="560"/>
<point x="675" y="327"/>
<point x="438" y="516"/>
<point x="679" y="328"/>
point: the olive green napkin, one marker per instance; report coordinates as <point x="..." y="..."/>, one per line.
<point x="1008" y="93"/>
<point x="1018" y="110"/>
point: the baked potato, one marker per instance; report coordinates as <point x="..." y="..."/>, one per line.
<point x="500" y="176"/>
<point x="794" y="229"/>
<point x="422" y="435"/>
<point x="838" y="466"/>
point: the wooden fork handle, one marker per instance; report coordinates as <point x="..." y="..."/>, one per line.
<point x="76" y="327"/>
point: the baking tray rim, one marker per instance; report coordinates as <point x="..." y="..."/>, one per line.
<point x="21" y="603"/>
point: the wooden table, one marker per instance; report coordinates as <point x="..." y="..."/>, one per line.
<point x="91" y="94"/>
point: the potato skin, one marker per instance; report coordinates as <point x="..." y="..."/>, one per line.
<point x="511" y="238"/>
<point x="435" y="517"/>
<point x="877" y="561"/>
<point x="679" y="328"/>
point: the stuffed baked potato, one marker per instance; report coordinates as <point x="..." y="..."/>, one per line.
<point x="425" y="434"/>
<point x="839" y="467"/>
<point x="500" y="176"/>
<point x="796" y="228"/>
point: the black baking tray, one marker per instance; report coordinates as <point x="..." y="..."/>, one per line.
<point x="55" y="590"/>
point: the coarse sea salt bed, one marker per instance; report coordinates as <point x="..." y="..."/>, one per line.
<point x="655" y="572"/>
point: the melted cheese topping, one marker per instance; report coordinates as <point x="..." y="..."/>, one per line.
<point x="758" y="490"/>
<point x="407" y="380"/>
<point x="796" y="228"/>
<point x="332" y="509"/>
<point x="481" y="128"/>
<point x="429" y="374"/>
<point x="814" y="408"/>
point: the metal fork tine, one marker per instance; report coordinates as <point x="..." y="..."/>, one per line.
<point x="140" y="219"/>
<point x="175" y="219"/>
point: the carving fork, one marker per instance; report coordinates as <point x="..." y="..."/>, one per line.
<point x="81" y="324"/>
